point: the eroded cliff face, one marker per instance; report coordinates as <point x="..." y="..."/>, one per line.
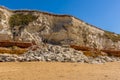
<point x="5" y="33"/>
<point x="56" y="29"/>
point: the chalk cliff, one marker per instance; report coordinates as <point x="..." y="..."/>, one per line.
<point x="37" y="26"/>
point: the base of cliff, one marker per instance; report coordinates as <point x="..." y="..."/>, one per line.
<point x="55" y="53"/>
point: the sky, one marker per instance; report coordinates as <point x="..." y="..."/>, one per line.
<point x="104" y="14"/>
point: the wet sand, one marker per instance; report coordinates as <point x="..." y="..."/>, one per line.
<point x="59" y="71"/>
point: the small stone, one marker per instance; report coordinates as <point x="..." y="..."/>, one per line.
<point x="95" y="62"/>
<point x="73" y="60"/>
<point x="108" y="59"/>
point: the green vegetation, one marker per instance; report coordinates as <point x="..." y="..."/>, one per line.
<point x="21" y="19"/>
<point x="110" y="35"/>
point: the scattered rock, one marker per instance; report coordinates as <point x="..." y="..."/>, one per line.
<point x="56" y="53"/>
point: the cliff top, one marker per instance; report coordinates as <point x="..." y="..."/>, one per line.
<point x="50" y="14"/>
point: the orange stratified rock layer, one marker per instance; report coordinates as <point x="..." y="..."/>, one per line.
<point x="14" y="43"/>
<point x="12" y="51"/>
<point x="13" y="47"/>
<point x="112" y="52"/>
<point x="91" y="51"/>
<point x="82" y="48"/>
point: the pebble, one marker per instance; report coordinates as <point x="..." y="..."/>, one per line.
<point x="56" y="53"/>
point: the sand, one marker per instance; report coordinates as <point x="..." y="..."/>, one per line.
<point x="59" y="71"/>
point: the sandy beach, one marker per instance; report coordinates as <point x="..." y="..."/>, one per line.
<point x="59" y="71"/>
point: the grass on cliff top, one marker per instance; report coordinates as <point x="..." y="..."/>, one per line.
<point x="21" y="19"/>
<point x="110" y="35"/>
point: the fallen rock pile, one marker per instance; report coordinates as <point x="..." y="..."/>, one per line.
<point x="56" y="53"/>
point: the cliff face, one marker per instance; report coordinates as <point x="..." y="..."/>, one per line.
<point x="54" y="29"/>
